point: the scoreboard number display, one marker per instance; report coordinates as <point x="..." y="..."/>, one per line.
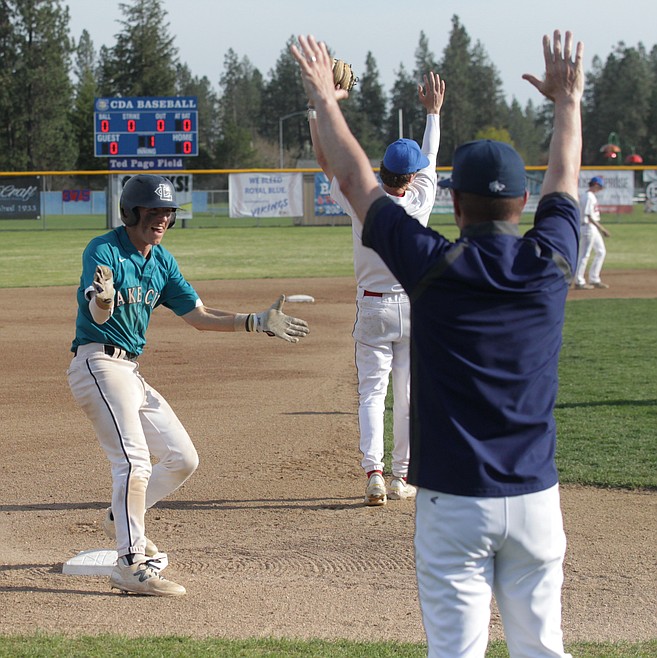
<point x="143" y="126"/>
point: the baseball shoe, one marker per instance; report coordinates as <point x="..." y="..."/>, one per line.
<point x="599" y="284"/>
<point x="375" y="494"/>
<point x="399" y="489"/>
<point x="583" y="286"/>
<point x="142" y="578"/>
<point x="108" y="526"/>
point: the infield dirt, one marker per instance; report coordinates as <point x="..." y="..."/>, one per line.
<point x="270" y="536"/>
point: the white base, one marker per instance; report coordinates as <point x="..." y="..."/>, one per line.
<point x="300" y="298"/>
<point x="101" y="561"/>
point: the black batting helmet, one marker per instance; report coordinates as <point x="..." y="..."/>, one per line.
<point x="146" y="191"/>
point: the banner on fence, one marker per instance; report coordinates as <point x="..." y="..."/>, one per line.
<point x="265" y="195"/>
<point x="650" y="179"/>
<point x="20" y="198"/>
<point x="325" y="206"/>
<point x="616" y="195"/>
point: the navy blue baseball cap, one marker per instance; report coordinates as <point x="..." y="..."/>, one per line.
<point x="404" y="157"/>
<point x="487" y="168"/>
<point x="597" y="180"/>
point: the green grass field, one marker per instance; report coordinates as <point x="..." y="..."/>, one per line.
<point x="43" y="258"/>
<point x="606" y="409"/>
<point x="105" y="646"/>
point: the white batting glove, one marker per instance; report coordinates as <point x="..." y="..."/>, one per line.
<point x="275" y="323"/>
<point x="104" y="286"/>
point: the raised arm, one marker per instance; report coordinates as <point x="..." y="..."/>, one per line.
<point x="432" y="96"/>
<point x="345" y="158"/>
<point x="563" y="83"/>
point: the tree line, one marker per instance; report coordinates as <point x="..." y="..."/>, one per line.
<point x="48" y="83"/>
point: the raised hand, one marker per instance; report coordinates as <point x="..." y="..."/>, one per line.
<point x="432" y="94"/>
<point x="564" y="77"/>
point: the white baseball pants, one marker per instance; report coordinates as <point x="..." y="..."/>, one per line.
<point x="382" y="338"/>
<point x="468" y="548"/>
<point x="132" y="422"/>
<point x="590" y="240"/>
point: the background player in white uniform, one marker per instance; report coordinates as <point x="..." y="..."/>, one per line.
<point x="382" y="328"/>
<point x="591" y="239"/>
<point x="126" y="273"/>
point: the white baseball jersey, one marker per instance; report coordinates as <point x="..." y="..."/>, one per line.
<point x="589" y="207"/>
<point x="382" y="328"/>
<point x="371" y="272"/>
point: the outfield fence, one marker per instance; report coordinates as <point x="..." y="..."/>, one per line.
<point x="262" y="197"/>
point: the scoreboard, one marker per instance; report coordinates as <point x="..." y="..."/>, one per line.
<point x="145" y="126"/>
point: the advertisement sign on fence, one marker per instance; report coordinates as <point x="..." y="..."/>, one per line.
<point x="265" y="195"/>
<point x="617" y="193"/>
<point x="20" y="198"/>
<point x="324" y="204"/>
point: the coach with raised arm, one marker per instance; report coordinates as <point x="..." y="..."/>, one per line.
<point x="487" y="313"/>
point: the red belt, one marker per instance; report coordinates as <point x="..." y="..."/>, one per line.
<point x="369" y="293"/>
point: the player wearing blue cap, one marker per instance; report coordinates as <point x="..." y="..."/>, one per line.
<point x="487" y="313"/>
<point x="382" y="328"/>
<point x="591" y="240"/>
<point x="126" y="274"/>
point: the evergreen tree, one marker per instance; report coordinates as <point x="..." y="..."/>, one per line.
<point x="10" y="112"/>
<point x="618" y="100"/>
<point x="83" y="106"/>
<point x="485" y="88"/>
<point x="425" y="60"/>
<point x="367" y="122"/>
<point x="239" y="111"/>
<point x="285" y="101"/>
<point x="207" y="115"/>
<point x="522" y="130"/>
<point x="407" y="116"/>
<point x="648" y="150"/>
<point x="143" y="60"/>
<point x="458" y="113"/>
<point x="42" y="135"/>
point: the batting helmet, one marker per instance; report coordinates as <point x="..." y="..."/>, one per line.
<point x="146" y="191"/>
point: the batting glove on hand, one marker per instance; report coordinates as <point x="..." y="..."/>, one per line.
<point x="104" y="286"/>
<point x="275" y="323"/>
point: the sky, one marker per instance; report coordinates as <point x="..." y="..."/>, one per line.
<point x="510" y="31"/>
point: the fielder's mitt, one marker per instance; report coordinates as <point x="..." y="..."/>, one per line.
<point x="343" y="75"/>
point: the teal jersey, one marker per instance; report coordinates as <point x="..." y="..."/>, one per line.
<point x="141" y="284"/>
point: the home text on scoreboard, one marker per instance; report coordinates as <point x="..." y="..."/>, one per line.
<point x="143" y="126"/>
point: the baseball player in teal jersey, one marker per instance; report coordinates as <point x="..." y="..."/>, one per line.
<point x="126" y="273"/>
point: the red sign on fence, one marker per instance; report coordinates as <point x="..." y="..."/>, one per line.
<point x="76" y="195"/>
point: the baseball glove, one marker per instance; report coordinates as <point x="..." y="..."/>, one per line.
<point x="343" y="75"/>
<point x="104" y="286"/>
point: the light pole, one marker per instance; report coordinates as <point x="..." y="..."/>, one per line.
<point x="280" y="133"/>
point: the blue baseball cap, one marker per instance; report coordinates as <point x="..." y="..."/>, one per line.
<point x="404" y="157"/>
<point x="487" y="168"/>
<point x="597" y="180"/>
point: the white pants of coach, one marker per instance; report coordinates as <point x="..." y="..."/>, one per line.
<point x="590" y="240"/>
<point x="132" y="421"/>
<point x="468" y="549"/>
<point x="382" y="335"/>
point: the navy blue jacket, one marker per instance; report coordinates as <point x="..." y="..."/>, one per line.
<point x="486" y="325"/>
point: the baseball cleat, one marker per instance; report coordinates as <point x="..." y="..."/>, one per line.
<point x="583" y="286"/>
<point x="108" y="526"/>
<point x="375" y="494"/>
<point x="142" y="578"/>
<point x="599" y="284"/>
<point x="399" y="489"/>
